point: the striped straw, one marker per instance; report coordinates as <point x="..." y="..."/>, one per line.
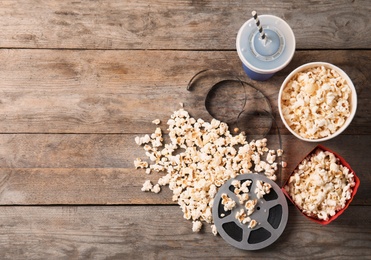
<point x="262" y="34"/>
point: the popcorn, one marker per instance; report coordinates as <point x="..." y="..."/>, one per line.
<point x="197" y="225"/>
<point x="228" y="203"/>
<point x="147" y="185"/>
<point x="245" y="186"/>
<point x="243" y="214"/>
<point x="142" y="140"/>
<point x="271" y="156"/>
<point x="199" y="158"/>
<point x="250" y="206"/>
<point x="243" y="197"/>
<point x="138" y="163"/>
<point x="214" y="230"/>
<point x="262" y="188"/>
<point x="156" y="188"/>
<point x="252" y="223"/>
<point x="320" y="186"/>
<point x="316" y="102"/>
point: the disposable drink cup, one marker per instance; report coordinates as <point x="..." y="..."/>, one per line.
<point x="261" y="58"/>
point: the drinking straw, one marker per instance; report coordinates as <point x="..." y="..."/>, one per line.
<point x="260" y="28"/>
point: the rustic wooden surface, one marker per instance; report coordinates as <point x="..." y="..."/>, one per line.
<point x="80" y="79"/>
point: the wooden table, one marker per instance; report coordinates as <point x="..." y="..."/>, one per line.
<point x="79" y="80"/>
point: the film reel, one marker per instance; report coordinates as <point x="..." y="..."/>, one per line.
<point x="271" y="213"/>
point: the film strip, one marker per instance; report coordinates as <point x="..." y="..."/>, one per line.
<point x="233" y="101"/>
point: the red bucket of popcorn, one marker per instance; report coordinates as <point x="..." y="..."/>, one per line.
<point x="322" y="185"/>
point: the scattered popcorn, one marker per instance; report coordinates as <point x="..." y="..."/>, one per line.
<point x="214" y="230"/>
<point x="243" y="197"/>
<point x="236" y="184"/>
<point x="247" y="220"/>
<point x="228" y="203"/>
<point x="262" y="188"/>
<point x="271" y="156"/>
<point x="250" y="206"/>
<point x="320" y="185"/>
<point x="240" y="215"/>
<point x="156" y="188"/>
<point x="147" y="186"/>
<point x="138" y="163"/>
<point x="156" y="121"/>
<point x="142" y="140"/>
<point x="316" y="102"/>
<point x="197" y="225"/>
<point x="245" y="186"/>
<point x="252" y="223"/>
<point x="243" y="214"/>
<point x="199" y="158"/>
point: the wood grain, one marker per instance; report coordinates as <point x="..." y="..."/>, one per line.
<point x="39" y="169"/>
<point x="80" y="79"/>
<point x="183" y="25"/>
<point x="160" y="232"/>
<point x="67" y="91"/>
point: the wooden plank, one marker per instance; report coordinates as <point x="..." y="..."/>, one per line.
<point x="182" y="25"/>
<point x="68" y="91"/>
<point x="99" y="169"/>
<point x="77" y="186"/>
<point x="160" y="232"/>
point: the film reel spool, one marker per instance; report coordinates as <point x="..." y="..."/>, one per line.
<point x="271" y="213"/>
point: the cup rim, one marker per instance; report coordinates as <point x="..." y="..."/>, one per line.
<point x="266" y="71"/>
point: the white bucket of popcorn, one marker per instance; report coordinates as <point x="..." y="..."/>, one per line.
<point x="317" y="101"/>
